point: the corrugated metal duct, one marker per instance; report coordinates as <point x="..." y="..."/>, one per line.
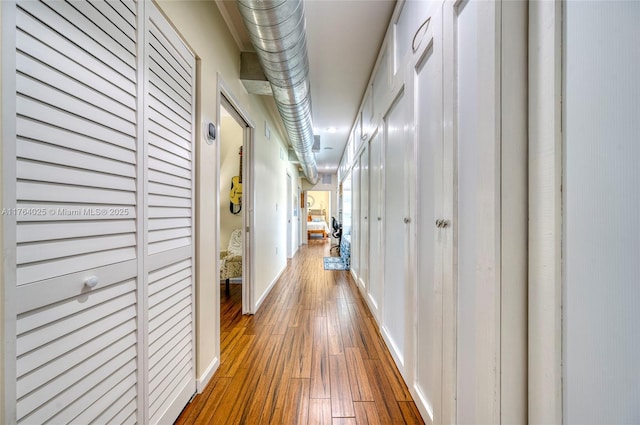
<point x="277" y="31"/>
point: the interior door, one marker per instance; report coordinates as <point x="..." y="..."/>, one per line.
<point x="71" y="244"/>
<point x="364" y="218"/>
<point x="169" y="266"/>
<point x="396" y="132"/>
<point x="355" y="220"/>
<point x="472" y="103"/>
<point x="432" y="232"/>
<point x="374" y="290"/>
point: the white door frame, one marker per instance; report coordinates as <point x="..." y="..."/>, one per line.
<point x="289" y="216"/>
<point x="545" y="213"/>
<point x="225" y="96"/>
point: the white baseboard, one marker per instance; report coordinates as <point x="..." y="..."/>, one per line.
<point x="354" y="275"/>
<point x="269" y="288"/>
<point x="425" y="410"/>
<point x="206" y="376"/>
<point x="395" y="353"/>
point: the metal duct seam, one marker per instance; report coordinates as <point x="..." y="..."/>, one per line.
<point x="277" y="31"/>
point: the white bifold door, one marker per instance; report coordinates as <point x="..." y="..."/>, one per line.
<point x="98" y="227"/>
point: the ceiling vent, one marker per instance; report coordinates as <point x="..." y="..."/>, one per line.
<point x="252" y="76"/>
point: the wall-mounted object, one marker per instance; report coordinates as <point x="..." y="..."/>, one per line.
<point x="209" y="132"/>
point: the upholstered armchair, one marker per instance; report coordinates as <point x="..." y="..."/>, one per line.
<point x="231" y="259"/>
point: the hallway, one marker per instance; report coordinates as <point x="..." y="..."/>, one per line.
<point x="311" y="355"/>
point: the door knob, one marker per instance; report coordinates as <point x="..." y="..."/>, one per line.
<point x="407" y="220"/>
<point x="442" y="223"/>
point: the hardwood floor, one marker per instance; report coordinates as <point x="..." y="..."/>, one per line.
<point x="311" y="355"/>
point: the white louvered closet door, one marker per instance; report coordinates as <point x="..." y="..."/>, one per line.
<point x="102" y="190"/>
<point x="169" y="127"/>
<point x="76" y="202"/>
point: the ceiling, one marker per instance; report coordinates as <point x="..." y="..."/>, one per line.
<point x="343" y="40"/>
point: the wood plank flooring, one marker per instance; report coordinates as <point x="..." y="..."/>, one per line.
<point x="311" y="355"/>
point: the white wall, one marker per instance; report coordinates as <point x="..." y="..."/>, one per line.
<point x="231" y="138"/>
<point x="601" y="235"/>
<point x="322" y="201"/>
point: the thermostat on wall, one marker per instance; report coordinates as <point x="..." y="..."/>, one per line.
<point x="209" y="132"/>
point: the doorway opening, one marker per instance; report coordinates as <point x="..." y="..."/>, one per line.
<point x="319" y="213"/>
<point x="233" y="214"/>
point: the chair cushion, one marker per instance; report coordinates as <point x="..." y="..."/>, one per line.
<point x="235" y="243"/>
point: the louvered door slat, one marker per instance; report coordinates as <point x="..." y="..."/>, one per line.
<point x="48" y="192"/>
<point x="157" y="134"/>
<point x="37" y="111"/>
<point x="171" y="223"/>
<point x="60" y="137"/>
<point x="163" y="235"/>
<point x="54" y="173"/>
<point x="111" y="22"/>
<point x="50" y="269"/>
<point x="177" y="77"/>
<point x="181" y="62"/>
<point x="168" y="190"/>
<point x="166" y="124"/>
<point x="105" y="407"/>
<point x="94" y="348"/>
<point x="131" y="6"/>
<point x="120" y="411"/>
<point x="42" y="73"/>
<point x="32" y="232"/>
<point x="89" y="76"/>
<point x="86" y="391"/>
<point x="168" y="168"/>
<point x="57" y="154"/>
<point x="157" y="176"/>
<point x="161" y="364"/>
<point x="163" y="79"/>
<point x="74" y="43"/>
<point x="161" y="96"/>
<point x="169" y="157"/>
<point x="90" y="21"/>
<point x="168" y="146"/>
<point x="58" y="99"/>
<point x="119" y="14"/>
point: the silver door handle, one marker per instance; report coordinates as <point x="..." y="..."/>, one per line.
<point x="442" y="223"/>
<point x="407" y="220"/>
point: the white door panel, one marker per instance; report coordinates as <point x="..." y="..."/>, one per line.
<point x="364" y="219"/>
<point x="374" y="291"/>
<point x="395" y="205"/>
<point x="431" y="239"/>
